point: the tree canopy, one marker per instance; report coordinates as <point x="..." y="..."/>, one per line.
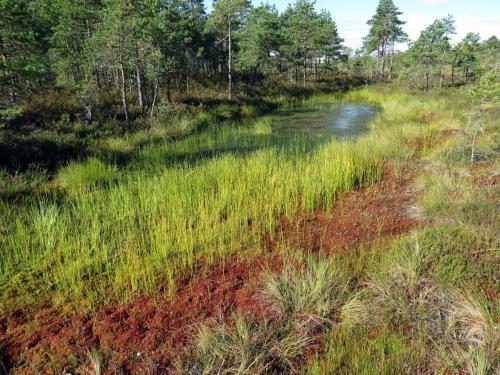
<point x="141" y="52"/>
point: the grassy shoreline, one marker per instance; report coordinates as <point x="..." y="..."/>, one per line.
<point x="102" y="235"/>
<point x="110" y="237"/>
<point x="118" y="234"/>
<point x="424" y="303"/>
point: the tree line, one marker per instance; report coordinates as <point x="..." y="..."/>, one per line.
<point x="142" y="51"/>
<point x="157" y="45"/>
<point x="430" y="56"/>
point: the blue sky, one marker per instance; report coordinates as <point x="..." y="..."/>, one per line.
<point x="480" y="16"/>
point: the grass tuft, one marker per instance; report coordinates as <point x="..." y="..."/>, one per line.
<point x="78" y="177"/>
<point x="314" y="291"/>
<point x="248" y="348"/>
<point x="262" y="126"/>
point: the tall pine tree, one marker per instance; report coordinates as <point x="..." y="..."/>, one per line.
<point x="385" y="31"/>
<point x="229" y="15"/>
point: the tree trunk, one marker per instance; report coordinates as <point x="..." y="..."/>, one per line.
<point x="382" y="67"/>
<point x="378" y="62"/>
<point x="474" y="138"/>
<point x="12" y="94"/>
<point x="155" y="93"/>
<point x="88" y="112"/>
<point x="452" y="75"/>
<point x="123" y="90"/>
<point x="169" y="89"/>
<point x="229" y="62"/>
<point x="391" y="62"/>
<point x="427" y="79"/>
<point x="441" y="78"/>
<point x="140" y="88"/>
<point x="304" y="78"/>
<point x="177" y="84"/>
<point x="473" y="148"/>
<point x="382" y="54"/>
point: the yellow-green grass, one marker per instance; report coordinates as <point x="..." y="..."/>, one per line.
<point x="422" y="303"/>
<point x="263" y="126"/>
<point x="426" y="302"/>
<point x="110" y="235"/>
<point x="357" y="352"/>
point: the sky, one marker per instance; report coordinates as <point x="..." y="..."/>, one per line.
<point x="479" y="16"/>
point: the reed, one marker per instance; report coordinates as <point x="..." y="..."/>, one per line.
<point x="118" y="235"/>
<point x="109" y="232"/>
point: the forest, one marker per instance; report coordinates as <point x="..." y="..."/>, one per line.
<point x="142" y="55"/>
<point x="189" y="187"/>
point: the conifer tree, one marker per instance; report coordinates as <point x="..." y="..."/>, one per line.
<point x="260" y="40"/>
<point x="385" y="31"/>
<point x="430" y="49"/>
<point x="467" y="53"/>
<point x="229" y="15"/>
<point x="24" y="33"/>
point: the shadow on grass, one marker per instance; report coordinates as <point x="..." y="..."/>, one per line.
<point x="187" y="159"/>
<point x="49" y="148"/>
<point x="40" y="151"/>
<point x="5" y="362"/>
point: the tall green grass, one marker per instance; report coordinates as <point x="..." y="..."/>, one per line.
<point x="114" y="241"/>
<point x="416" y="305"/>
<point x="116" y="234"/>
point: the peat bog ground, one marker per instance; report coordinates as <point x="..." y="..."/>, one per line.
<point x="375" y="255"/>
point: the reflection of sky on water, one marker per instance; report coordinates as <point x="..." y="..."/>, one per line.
<point x="294" y="131"/>
<point x="310" y="127"/>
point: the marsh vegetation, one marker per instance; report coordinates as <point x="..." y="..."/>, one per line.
<point x="245" y="196"/>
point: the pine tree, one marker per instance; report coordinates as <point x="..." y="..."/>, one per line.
<point x="260" y="41"/>
<point x="385" y="31"/>
<point x="302" y="28"/>
<point x="74" y="22"/>
<point x="229" y="15"/>
<point x="24" y="33"/>
<point x="329" y="43"/>
<point x="431" y="48"/>
<point x="489" y="52"/>
<point x="467" y="54"/>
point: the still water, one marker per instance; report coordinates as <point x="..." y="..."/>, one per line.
<point x="315" y="125"/>
<point x="295" y="131"/>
